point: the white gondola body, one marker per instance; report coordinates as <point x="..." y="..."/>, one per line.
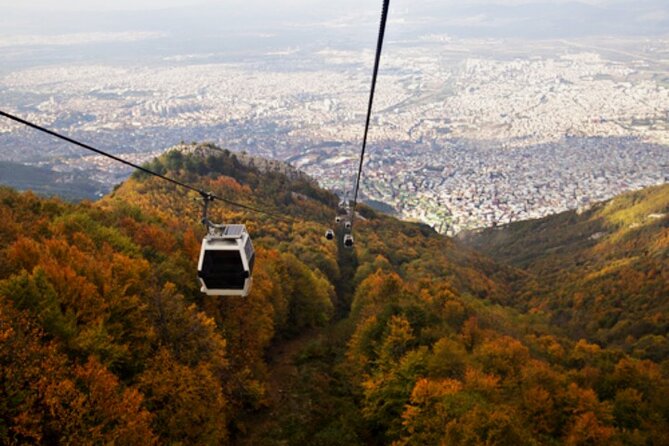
<point x="226" y="261"/>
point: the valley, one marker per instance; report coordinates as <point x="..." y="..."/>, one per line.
<point x="409" y="338"/>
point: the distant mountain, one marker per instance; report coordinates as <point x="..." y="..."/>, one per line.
<point x="106" y="339"/>
<point x="72" y="186"/>
<point x="539" y="19"/>
<point x="601" y="273"/>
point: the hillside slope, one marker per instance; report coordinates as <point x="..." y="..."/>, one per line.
<point x="105" y="338"/>
<point x="74" y="186"/>
<point x="602" y="273"/>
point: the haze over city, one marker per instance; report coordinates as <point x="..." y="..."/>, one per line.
<point x="487" y="111"/>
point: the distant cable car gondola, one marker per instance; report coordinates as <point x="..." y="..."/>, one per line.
<point x="344" y="206"/>
<point x="337" y="219"/>
<point x="329" y="234"/>
<point x="226" y="260"/>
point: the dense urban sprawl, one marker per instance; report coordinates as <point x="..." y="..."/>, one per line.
<point x="461" y="137"/>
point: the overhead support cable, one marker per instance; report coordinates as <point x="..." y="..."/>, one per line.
<point x="208" y="196"/>
<point x="377" y="61"/>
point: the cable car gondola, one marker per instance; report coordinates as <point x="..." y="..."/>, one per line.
<point x="343" y="208"/>
<point x="226" y="260"/>
<point x="329" y="234"/>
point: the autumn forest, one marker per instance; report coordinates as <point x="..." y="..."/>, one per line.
<point x="548" y="332"/>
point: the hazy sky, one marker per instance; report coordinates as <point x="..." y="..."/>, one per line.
<point x="121" y="5"/>
<point x="117" y="5"/>
<point x="96" y="5"/>
<point x="477" y="18"/>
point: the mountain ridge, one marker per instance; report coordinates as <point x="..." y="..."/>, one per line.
<point x="409" y="338"/>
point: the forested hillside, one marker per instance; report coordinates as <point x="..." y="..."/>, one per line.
<point x="602" y="273"/>
<point x="106" y="339"/>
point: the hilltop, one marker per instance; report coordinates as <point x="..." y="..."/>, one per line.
<point x="409" y="338"/>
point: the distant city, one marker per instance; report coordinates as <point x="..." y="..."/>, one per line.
<point x="466" y="133"/>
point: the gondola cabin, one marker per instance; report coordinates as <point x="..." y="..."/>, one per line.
<point x="348" y="241"/>
<point x="347" y="225"/>
<point x="329" y="234"/>
<point x="226" y="261"/>
<point x="343" y="208"/>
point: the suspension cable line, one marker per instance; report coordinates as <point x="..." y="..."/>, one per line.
<point x="208" y="196"/>
<point x="377" y="60"/>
